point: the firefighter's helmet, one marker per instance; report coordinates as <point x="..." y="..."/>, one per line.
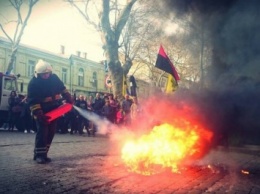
<point x="42" y="67"/>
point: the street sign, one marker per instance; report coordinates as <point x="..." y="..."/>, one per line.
<point x="108" y="82"/>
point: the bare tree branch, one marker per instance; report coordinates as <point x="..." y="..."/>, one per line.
<point x="123" y="18"/>
<point x="84" y="13"/>
<point x="20" y="26"/>
<point x="105" y="21"/>
<point x="11" y="40"/>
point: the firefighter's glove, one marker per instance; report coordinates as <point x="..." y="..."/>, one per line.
<point x="41" y="118"/>
<point x="67" y="96"/>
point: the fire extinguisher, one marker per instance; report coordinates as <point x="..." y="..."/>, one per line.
<point x="61" y="110"/>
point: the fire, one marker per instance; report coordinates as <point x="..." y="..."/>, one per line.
<point x="245" y="172"/>
<point x="166" y="146"/>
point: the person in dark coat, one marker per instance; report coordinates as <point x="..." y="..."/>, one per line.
<point x="133" y="86"/>
<point x="97" y="108"/>
<point x="83" y="122"/>
<point x="108" y="111"/>
<point x="44" y="93"/>
<point x="15" y="109"/>
<point x="27" y="120"/>
<point x="98" y="104"/>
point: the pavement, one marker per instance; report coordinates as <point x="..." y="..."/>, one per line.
<point x="82" y="164"/>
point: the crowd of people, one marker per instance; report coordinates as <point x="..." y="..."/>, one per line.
<point x="106" y="106"/>
<point x="19" y="114"/>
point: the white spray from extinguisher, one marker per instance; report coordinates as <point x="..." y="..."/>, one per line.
<point x="103" y="125"/>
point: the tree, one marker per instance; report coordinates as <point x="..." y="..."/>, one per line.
<point x="112" y="18"/>
<point x="139" y="39"/>
<point x="198" y="35"/>
<point x="142" y="38"/>
<point x="19" y="27"/>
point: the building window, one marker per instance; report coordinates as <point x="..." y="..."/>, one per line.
<point x="94" y="75"/>
<point x="30" y="70"/>
<point x="81" y="77"/>
<point x="64" y="75"/>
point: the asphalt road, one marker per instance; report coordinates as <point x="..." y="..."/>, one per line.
<point x="82" y="164"/>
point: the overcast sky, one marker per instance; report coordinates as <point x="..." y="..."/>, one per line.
<point x="54" y="23"/>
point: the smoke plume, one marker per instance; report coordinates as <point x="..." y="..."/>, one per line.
<point x="232" y="103"/>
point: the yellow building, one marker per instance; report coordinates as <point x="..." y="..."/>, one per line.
<point x="80" y="75"/>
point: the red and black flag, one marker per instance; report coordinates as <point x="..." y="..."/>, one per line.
<point x="163" y="62"/>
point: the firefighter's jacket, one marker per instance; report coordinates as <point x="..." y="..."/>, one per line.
<point x="45" y="94"/>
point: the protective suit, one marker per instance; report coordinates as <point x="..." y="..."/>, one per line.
<point x="45" y="93"/>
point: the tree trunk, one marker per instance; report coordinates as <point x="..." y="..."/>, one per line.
<point x="115" y="68"/>
<point x="12" y="60"/>
<point x="117" y="78"/>
<point x="110" y="38"/>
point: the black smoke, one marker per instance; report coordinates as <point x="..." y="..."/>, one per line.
<point x="232" y="102"/>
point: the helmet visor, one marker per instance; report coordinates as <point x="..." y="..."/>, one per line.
<point x="45" y="75"/>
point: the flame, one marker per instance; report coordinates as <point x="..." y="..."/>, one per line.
<point x="245" y="172"/>
<point x="166" y="146"/>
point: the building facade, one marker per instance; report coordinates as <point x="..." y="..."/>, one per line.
<point x="79" y="74"/>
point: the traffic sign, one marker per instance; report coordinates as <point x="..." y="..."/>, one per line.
<point x="108" y="82"/>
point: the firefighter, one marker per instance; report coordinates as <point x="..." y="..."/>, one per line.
<point x="45" y="90"/>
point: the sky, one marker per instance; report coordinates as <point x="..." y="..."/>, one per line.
<point x="54" y="23"/>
